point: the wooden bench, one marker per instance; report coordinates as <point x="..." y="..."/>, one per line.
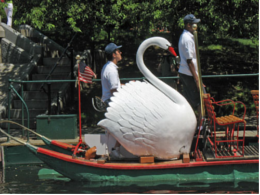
<point x="229" y="145"/>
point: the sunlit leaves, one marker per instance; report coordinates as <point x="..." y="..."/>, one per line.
<point x="219" y="18"/>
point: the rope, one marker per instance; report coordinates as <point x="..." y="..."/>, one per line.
<point x="19" y="141"/>
<point x="7" y="121"/>
<point x="25" y="128"/>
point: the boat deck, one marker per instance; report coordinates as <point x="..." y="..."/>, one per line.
<point x="250" y="152"/>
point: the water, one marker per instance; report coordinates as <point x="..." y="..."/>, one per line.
<point x="42" y="180"/>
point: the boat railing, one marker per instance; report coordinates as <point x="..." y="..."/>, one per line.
<point x="49" y="82"/>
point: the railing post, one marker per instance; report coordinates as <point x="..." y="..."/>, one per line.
<point x="58" y="102"/>
<point x="49" y="98"/>
<point x="9" y="105"/>
<point x="71" y="70"/>
<point x="22" y="108"/>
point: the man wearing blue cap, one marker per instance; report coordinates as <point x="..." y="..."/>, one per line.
<point x="110" y="82"/>
<point x="109" y="75"/>
<point x="188" y="70"/>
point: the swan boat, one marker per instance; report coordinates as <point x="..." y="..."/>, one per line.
<point x="155" y="126"/>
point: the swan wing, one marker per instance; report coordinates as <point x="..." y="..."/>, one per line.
<point x="135" y="117"/>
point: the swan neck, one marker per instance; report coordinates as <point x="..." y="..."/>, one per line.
<point x="166" y="89"/>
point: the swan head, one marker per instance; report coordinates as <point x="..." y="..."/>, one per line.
<point x="160" y="42"/>
<point x="165" y="44"/>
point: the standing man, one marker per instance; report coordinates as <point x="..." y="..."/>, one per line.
<point x="188" y="70"/>
<point x="8" y="11"/>
<point x="110" y="81"/>
<point x="109" y="75"/>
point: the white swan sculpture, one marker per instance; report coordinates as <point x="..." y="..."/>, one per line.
<point x="151" y="119"/>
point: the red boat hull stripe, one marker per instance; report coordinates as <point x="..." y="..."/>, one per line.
<point x="62" y="145"/>
<point x="81" y="161"/>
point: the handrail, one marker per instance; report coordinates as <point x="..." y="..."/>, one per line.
<point x="28" y="120"/>
<point x="138" y="78"/>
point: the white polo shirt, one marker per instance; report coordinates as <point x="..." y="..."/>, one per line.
<point x="109" y="79"/>
<point x="187" y="51"/>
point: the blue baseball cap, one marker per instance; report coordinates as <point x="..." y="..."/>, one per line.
<point x="111" y="47"/>
<point x="190" y="18"/>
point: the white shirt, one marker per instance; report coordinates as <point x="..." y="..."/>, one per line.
<point x="187" y="51"/>
<point x="109" y="79"/>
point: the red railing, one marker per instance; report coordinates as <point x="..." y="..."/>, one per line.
<point x="231" y="144"/>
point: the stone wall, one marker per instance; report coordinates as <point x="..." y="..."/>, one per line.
<point x="50" y="47"/>
<point x="13" y="54"/>
<point x="17" y="47"/>
<point x="15" y="72"/>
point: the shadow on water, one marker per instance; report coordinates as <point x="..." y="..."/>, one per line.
<point x="40" y="179"/>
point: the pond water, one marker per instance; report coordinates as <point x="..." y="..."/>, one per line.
<point x="40" y="179"/>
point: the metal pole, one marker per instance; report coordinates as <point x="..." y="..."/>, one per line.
<point x="22" y="109"/>
<point x="49" y="98"/>
<point x="79" y="101"/>
<point x="194" y="26"/>
<point x="71" y="72"/>
<point x="202" y="112"/>
<point x="9" y="105"/>
<point x="58" y="102"/>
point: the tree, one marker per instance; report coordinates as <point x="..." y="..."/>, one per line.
<point x="102" y="21"/>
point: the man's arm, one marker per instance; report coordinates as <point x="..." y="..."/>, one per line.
<point x="113" y="80"/>
<point x="193" y="71"/>
<point x="113" y="90"/>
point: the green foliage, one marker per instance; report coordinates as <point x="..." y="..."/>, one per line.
<point x="219" y="19"/>
<point x="2" y="12"/>
<point x="214" y="47"/>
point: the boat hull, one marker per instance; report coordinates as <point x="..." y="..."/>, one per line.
<point x="81" y="170"/>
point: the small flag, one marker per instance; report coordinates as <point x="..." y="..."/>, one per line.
<point x="85" y="73"/>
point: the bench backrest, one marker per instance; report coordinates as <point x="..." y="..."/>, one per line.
<point x="209" y="107"/>
<point x="255" y="94"/>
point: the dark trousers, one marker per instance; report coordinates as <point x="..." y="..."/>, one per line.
<point x="190" y="90"/>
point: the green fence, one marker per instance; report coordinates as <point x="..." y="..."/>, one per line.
<point x="94" y="80"/>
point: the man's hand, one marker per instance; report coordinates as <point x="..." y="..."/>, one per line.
<point x="195" y="76"/>
<point x="197" y="83"/>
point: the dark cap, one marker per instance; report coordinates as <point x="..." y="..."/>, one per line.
<point x="190" y="18"/>
<point x="111" y="47"/>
